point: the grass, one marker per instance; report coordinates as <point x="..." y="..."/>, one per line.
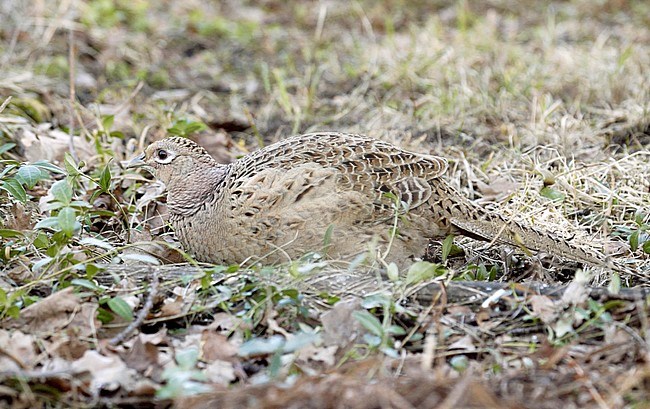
<point x="541" y="109"/>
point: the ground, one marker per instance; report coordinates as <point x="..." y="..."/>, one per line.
<point x="542" y="109"/>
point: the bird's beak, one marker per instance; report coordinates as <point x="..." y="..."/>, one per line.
<point x="136" y="162"/>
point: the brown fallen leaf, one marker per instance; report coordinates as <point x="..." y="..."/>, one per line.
<point x="68" y="344"/>
<point x="217" y="347"/>
<point x="219" y="144"/>
<point x="142" y="356"/>
<point x="543" y="308"/>
<point x="18" y="351"/>
<point x="52" y="144"/>
<point x="18" y="218"/>
<point x="50" y="314"/>
<point x="220" y="372"/>
<point x="108" y="372"/>
<point x="497" y="190"/>
<point x="339" y="326"/>
<point x="465" y="343"/>
<point x="318" y="354"/>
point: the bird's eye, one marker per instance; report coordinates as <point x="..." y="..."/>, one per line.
<point x="162" y="154"/>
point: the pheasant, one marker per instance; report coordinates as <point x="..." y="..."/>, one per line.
<point x="336" y="194"/>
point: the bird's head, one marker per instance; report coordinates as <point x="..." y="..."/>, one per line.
<point x="173" y="159"/>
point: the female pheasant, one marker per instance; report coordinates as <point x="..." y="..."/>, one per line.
<point x="333" y="193"/>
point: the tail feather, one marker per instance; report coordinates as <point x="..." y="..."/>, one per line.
<point x="494" y="227"/>
<point x="473" y="221"/>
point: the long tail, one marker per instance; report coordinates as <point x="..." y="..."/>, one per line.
<point x="464" y="217"/>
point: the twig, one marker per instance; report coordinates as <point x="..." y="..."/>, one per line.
<point x="5" y="103"/>
<point x="153" y="291"/>
<point x="31" y="375"/>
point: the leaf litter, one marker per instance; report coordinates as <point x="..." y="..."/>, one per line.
<point x="560" y="143"/>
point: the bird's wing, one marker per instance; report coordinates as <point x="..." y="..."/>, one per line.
<point x="365" y="165"/>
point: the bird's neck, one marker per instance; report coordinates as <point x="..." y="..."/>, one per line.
<point x="187" y="192"/>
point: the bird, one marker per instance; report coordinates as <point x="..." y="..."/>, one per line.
<point x="339" y="195"/>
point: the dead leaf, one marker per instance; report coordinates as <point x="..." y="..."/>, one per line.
<point x="49" y="315"/>
<point x="219" y="144"/>
<point x="466" y="343"/>
<point x="220" y="372"/>
<point x="576" y="293"/>
<point x="339" y="326"/>
<point x="19" y="273"/>
<point x="217" y="347"/>
<point x="142" y="355"/>
<point x="497" y="190"/>
<point x="144" y="387"/>
<point x="68" y="344"/>
<point x="19" y="218"/>
<point x="52" y="144"/>
<point x="108" y="372"/>
<point x="171" y="308"/>
<point x="225" y="322"/>
<point x="20" y="350"/>
<point x="85" y="323"/>
<point x="326" y="355"/>
<point x="158" y="338"/>
<point x="543" y="308"/>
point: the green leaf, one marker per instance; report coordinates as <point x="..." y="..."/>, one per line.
<point x="422" y="270"/>
<point x="550" y="193"/>
<point x="92" y="269"/>
<point x="40" y="264"/>
<point x="121" y="308"/>
<point x="392" y="272"/>
<point x="48" y="223"/>
<point x="104" y="316"/>
<point x="639" y="217"/>
<point x="187" y="358"/>
<point x="372" y="340"/>
<point x="82" y="282"/>
<point x="614" y="285"/>
<point x="42" y="241"/>
<point x="67" y="219"/>
<point x="11" y="234"/>
<point x="62" y="191"/>
<point x="376" y="300"/>
<point x="30" y="175"/>
<point x="83" y="204"/>
<point x="261" y="346"/>
<point x="195" y="127"/>
<point x="369" y="322"/>
<point x="447" y="245"/>
<point x="6" y="147"/>
<point x="13" y="312"/>
<point x="70" y="166"/>
<point x="45" y="165"/>
<point x="396" y="330"/>
<point x="107" y="122"/>
<point x="15" y="189"/>
<point x="185" y="127"/>
<point x="459" y="362"/>
<point x="327" y="240"/>
<point x="105" y="179"/>
<point x="300" y="340"/>
<point x="634" y="240"/>
<point x="646" y="247"/>
<point x="91" y="241"/>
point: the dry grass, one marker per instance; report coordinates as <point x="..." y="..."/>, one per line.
<point x="519" y="97"/>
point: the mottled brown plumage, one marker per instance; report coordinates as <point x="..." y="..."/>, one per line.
<point x="280" y="202"/>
